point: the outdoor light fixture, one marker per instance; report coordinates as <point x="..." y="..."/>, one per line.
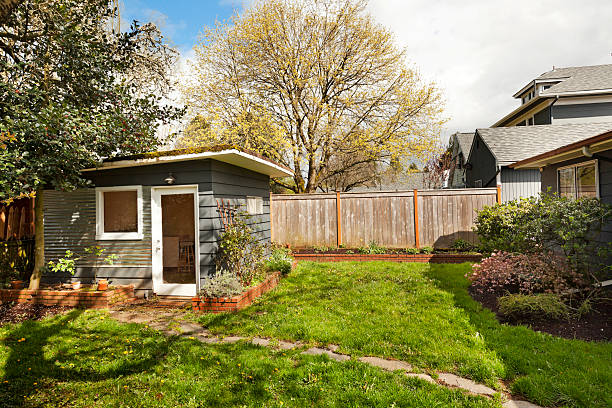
<point x="170" y="179"/>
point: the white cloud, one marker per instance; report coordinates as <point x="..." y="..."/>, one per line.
<point x="482" y="51"/>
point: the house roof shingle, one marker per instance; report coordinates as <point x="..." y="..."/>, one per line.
<point x="512" y="144"/>
<point x="464" y="142"/>
<point x="589" y="78"/>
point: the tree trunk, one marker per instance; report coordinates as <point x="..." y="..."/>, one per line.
<point x="39" y="241"/>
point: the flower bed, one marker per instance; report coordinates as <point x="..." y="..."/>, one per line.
<point x="88" y="299"/>
<point x="393" y="257"/>
<point x="218" y="305"/>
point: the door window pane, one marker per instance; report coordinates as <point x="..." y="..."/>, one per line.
<point x="567" y="183"/>
<point x="585" y="179"/>
<point x="120" y="211"/>
<point x="178" y="234"/>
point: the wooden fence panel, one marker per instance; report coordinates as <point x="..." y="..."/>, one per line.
<point x="386" y="218"/>
<point x="17" y="220"/>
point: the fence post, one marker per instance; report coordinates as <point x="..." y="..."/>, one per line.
<point x="416" y="219"/>
<point x="338" y="221"/>
<point x="498" y="194"/>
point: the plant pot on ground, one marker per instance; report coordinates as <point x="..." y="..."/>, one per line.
<point x="76" y="285"/>
<point x="102" y="284"/>
<point x="17" y="284"/>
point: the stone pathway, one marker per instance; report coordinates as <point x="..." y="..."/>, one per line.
<point x="170" y="323"/>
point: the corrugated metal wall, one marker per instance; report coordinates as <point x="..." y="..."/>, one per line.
<point x="519" y="183"/>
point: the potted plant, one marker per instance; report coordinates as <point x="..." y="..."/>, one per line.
<point x="17" y="284"/>
<point x="97" y="252"/>
<point x="102" y="284"/>
<point x="68" y="264"/>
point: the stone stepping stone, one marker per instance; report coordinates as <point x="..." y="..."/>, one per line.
<point x="389" y="365"/>
<point x="315" y="351"/>
<point x="258" y="341"/>
<point x="231" y="339"/>
<point x="463" y="383"/>
<point x="187" y="328"/>
<point x="422" y="377"/>
<point x="285" y="345"/>
<point x="519" y="404"/>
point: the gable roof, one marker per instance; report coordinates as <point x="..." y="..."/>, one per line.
<point x="226" y="154"/>
<point x="464" y="143"/>
<point x="513" y="144"/>
<point x="590" y="78"/>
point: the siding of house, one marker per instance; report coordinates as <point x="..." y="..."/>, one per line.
<point x="70" y="217"/>
<point x="483" y="165"/>
<point x="519" y="183"/>
<point x="582" y="113"/>
<point x="549" y="181"/>
<point x="542" y="117"/>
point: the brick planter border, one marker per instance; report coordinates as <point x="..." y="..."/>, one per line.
<point x="423" y="258"/>
<point x="218" y="305"/>
<point x="70" y="298"/>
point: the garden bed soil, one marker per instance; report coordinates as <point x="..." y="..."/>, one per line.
<point x="595" y="326"/>
<point x="19" y="312"/>
<point x="83" y="298"/>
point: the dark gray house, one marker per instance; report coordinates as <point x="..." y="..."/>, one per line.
<point x="461" y="144"/>
<point x="579" y="169"/>
<point x="159" y="214"/>
<point x="495" y="149"/>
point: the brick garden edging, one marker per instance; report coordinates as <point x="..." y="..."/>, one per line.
<point x="424" y="258"/>
<point x="94" y="299"/>
<point x="218" y="305"/>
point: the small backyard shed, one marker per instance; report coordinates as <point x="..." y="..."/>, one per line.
<point x="159" y="214"/>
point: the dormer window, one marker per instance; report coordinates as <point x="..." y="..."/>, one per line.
<point x="529" y="96"/>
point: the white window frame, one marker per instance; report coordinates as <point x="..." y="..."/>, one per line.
<point x="254" y="205"/>
<point x="581" y="164"/>
<point x="110" y="236"/>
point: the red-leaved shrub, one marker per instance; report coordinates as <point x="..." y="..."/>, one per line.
<point x="524" y="273"/>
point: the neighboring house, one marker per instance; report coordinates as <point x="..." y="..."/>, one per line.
<point x="579" y="169"/>
<point x="558" y="107"/>
<point x="402" y="182"/>
<point x="495" y="149"/>
<point x="159" y="214"/>
<point x="564" y="95"/>
<point x="461" y="144"/>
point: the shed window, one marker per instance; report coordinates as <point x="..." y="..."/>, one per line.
<point x="579" y="180"/>
<point x="119" y="213"/>
<point x="255" y="205"/>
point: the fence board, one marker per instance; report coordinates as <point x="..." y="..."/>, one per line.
<point x="387" y="218"/>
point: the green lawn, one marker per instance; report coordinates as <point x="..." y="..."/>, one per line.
<point x="86" y="359"/>
<point x="423" y="314"/>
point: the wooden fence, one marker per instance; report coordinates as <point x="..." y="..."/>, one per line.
<point x="392" y="219"/>
<point x="17" y="220"/>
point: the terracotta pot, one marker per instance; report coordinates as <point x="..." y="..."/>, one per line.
<point x="102" y="284"/>
<point x="17" y="284"/>
<point x="76" y="285"/>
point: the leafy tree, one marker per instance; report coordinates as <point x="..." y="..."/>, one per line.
<point x="310" y="84"/>
<point x="71" y="94"/>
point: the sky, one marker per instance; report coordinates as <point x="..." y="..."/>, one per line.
<point x="478" y="52"/>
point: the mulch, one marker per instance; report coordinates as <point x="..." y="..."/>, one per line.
<point x="19" y="312"/>
<point x="595" y="326"/>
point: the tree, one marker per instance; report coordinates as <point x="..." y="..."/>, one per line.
<point x="437" y="168"/>
<point x="309" y="83"/>
<point x="69" y="97"/>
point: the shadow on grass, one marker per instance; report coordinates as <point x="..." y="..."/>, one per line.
<point x="41" y="354"/>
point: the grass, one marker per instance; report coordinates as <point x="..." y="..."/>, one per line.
<point x="423" y="314"/>
<point x="85" y="359"/>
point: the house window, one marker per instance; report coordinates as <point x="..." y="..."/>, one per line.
<point x="254" y="205"/>
<point x="119" y="213"/>
<point x="579" y="180"/>
<point x="478" y="183"/>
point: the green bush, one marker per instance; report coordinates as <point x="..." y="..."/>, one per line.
<point x="16" y="260"/>
<point x="463" y="245"/>
<point x="541" y="305"/>
<point x="412" y="251"/>
<point x="427" y="250"/>
<point x="550" y="223"/>
<point x="280" y="260"/>
<point x="372" y="248"/>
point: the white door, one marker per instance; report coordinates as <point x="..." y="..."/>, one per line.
<point x="174" y="230"/>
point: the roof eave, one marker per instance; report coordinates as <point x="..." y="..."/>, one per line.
<point x="524" y="107"/>
<point x="231" y="156"/>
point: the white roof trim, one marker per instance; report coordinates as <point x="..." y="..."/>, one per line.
<point x="231" y="156"/>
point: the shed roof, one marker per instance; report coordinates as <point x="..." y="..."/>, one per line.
<point x="228" y="154"/>
<point x="513" y="144"/>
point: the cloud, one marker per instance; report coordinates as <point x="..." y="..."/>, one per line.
<point x="480" y="52"/>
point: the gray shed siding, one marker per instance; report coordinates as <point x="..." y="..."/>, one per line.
<point x="70" y="217"/>
<point x="483" y="165"/>
<point x="519" y="183"/>
<point x="549" y="181"/>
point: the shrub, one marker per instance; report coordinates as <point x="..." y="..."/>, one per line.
<point x="280" y="260"/>
<point x="239" y="250"/>
<point x="463" y="245"/>
<point x="550" y="223"/>
<point x="427" y="250"/>
<point x="412" y="251"/>
<point x="541" y="305"/>
<point x="372" y="248"/>
<point x="224" y="284"/>
<point x="524" y="273"/>
<point x="16" y="260"/>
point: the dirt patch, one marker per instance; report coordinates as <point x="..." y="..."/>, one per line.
<point x="18" y="312"/>
<point x="596" y="326"/>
